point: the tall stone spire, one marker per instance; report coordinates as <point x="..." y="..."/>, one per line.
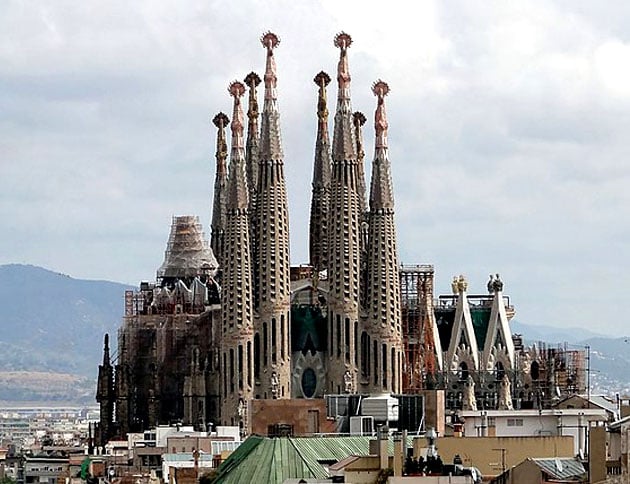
<point x="383" y="291"/>
<point x="272" y="344"/>
<point x="359" y="120"/>
<point x="106" y="361"/>
<point x="105" y="395"/>
<point x="236" y="301"/>
<point x="318" y="241"/>
<point x="252" y="80"/>
<point x="219" y="207"/>
<point x="343" y="241"/>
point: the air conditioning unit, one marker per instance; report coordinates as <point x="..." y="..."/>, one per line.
<point x="362" y="425"/>
<point x="383" y="408"/>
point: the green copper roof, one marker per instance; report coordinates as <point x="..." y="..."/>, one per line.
<point x="273" y="460"/>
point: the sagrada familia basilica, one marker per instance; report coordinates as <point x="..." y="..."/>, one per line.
<point x="232" y="322"/>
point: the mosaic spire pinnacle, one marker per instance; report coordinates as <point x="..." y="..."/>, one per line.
<point x="381" y="192"/>
<point x="380" y="90"/>
<point x="221" y="121"/>
<point x="270" y="142"/>
<point x="343" y="41"/>
<point x="359" y="120"/>
<point x="318" y="240"/>
<point x="343" y="140"/>
<point x="237" y="184"/>
<point x="252" y="80"/>
<point x="219" y="206"/>
<point x="270" y="41"/>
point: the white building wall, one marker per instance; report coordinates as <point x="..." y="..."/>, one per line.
<point x="532" y="423"/>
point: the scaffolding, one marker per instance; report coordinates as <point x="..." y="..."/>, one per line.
<point x="187" y="252"/>
<point x="416" y="285"/>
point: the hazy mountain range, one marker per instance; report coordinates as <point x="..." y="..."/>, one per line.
<point x="51" y="332"/>
<point x="52" y="327"/>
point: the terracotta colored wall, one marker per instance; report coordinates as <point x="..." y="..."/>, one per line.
<point x="434" y="409"/>
<point x="526" y="472"/>
<point x="264" y="413"/>
<point x="481" y="452"/>
<point x="189" y="444"/>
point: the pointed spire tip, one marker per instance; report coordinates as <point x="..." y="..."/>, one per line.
<point x="270" y="40"/>
<point x="252" y="79"/>
<point x="343" y="40"/>
<point x="236" y="89"/>
<point x="322" y="78"/>
<point x="221" y="120"/>
<point x="359" y="118"/>
<point x="380" y="88"/>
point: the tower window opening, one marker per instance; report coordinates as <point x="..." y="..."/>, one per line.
<point x="232" y="370"/>
<point x="384" y="356"/>
<point x="338" y="336"/>
<point x="282" y="338"/>
<point x="274" y="331"/>
<point x="265" y="344"/>
<point x="393" y="363"/>
<point x="355" y="341"/>
<point x="375" y="356"/>
<point x="225" y="373"/>
<point x="365" y="353"/>
<point x="249" y="363"/>
<point x="240" y="367"/>
<point x="347" y="339"/>
<point x="257" y="355"/>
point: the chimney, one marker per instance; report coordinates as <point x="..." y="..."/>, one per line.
<point x="383" y="440"/>
<point x="398" y="455"/>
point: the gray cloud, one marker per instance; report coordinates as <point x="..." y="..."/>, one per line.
<point x="508" y="133"/>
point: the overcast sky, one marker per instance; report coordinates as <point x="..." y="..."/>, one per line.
<point x="509" y="133"/>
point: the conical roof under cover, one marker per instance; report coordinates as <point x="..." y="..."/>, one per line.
<point x="187" y="252"/>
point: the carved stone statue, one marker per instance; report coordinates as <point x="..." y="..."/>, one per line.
<point x="490" y="285"/>
<point x="347" y="382"/>
<point x="497" y="284"/>
<point x="491" y="361"/>
<point x="454" y="286"/>
<point x="469" y="402"/>
<point x="505" y="396"/>
<point x="462" y="284"/>
<point x="241" y="407"/>
<point x="275" y="385"/>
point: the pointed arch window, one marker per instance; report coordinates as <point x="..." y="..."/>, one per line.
<point x="257" y="355"/>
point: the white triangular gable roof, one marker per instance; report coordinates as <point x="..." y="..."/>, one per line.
<point x="498" y="324"/>
<point x="463" y="325"/>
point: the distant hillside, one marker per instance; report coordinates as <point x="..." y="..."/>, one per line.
<point x="609" y="357"/>
<point x="52" y="326"/>
<point x="551" y="334"/>
<point x="52" y="322"/>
